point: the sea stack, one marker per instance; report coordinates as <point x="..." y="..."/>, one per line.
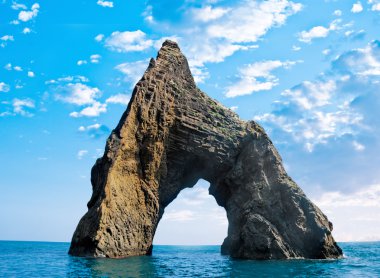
<point x="171" y="135"/>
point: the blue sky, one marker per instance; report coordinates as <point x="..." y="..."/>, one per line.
<point x="308" y="71"/>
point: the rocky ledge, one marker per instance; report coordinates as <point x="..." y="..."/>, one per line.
<point x="171" y="135"/>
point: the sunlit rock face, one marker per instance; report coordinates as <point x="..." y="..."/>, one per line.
<point x="171" y="135"/>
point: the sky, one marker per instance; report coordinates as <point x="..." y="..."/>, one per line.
<point x="308" y="71"/>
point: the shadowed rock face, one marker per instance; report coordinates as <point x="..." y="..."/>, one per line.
<point x="172" y="135"/>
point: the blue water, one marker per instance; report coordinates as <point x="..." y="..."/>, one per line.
<point x="45" y="259"/>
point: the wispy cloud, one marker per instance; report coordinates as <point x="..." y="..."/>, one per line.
<point x="18" y="6"/>
<point x="94" y="59"/>
<point x="350" y="211"/>
<point x="133" y="71"/>
<point x="20" y="106"/>
<point x="178" y="216"/>
<point x="257" y="77"/>
<point x="95" y="130"/>
<point x="4" y="87"/>
<point x="82" y="153"/>
<point x="119" y="99"/>
<point x="208" y="13"/>
<point x="107" y="4"/>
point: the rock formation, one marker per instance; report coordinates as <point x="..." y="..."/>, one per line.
<point x="171" y="135"/>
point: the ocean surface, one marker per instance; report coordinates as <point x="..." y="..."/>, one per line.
<point x="46" y="259"/>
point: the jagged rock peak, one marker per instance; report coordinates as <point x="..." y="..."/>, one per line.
<point x="171" y="135"/>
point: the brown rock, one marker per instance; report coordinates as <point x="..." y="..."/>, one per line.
<point x="172" y="135"/>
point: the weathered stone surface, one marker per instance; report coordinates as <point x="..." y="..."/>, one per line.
<point x="170" y="136"/>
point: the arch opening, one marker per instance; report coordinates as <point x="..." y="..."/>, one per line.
<point x="192" y="218"/>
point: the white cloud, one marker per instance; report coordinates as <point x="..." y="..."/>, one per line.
<point x="315" y="127"/>
<point x="208" y="13"/>
<point x="213" y="32"/>
<point x="99" y="37"/>
<point x="8" y="66"/>
<point x="108" y="4"/>
<point x="82" y="153"/>
<point x="224" y="31"/>
<point x="128" y="41"/>
<point x="357" y="7"/>
<point x="17" y="68"/>
<point x="28" y="15"/>
<point x="4" y="114"/>
<point x="78" y="94"/>
<point x="357" y="146"/>
<point x="338" y="13"/>
<point x="31" y="74"/>
<point x="296" y="48"/>
<point x="195" y="197"/>
<point x="363" y="61"/>
<point x="326" y="51"/>
<point x="26" y="30"/>
<point x="351" y="211"/>
<point x="7" y="38"/>
<point x="318" y="32"/>
<point x="133" y="71"/>
<point x="375" y="5"/>
<point x="318" y="94"/>
<point x="180" y="216"/>
<point x="14" y="22"/>
<point x="119" y="99"/>
<point x="19" y="106"/>
<point x="148" y="15"/>
<point x="257" y="77"/>
<point x="66" y="79"/>
<point x="18" y="6"/>
<point x="365" y="197"/>
<point x="81" y="62"/>
<point x="4" y="87"/>
<point x="237" y="25"/>
<point x="42" y="158"/>
<point x="330" y="109"/>
<point x="233" y="31"/>
<point x="95" y="131"/>
<point x="234" y="108"/>
<point x="95" y="58"/>
<point x="90" y="127"/>
<point x="199" y="74"/>
<point x="94" y="110"/>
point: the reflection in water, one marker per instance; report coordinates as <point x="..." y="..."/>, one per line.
<point x="43" y="259"/>
<point x="130" y="267"/>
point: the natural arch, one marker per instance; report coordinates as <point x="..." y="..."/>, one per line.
<point x="193" y="218"/>
<point x="172" y="135"/>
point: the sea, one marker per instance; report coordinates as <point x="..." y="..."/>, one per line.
<point x="50" y="259"/>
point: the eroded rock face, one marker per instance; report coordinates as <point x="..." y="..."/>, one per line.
<point x="172" y="135"/>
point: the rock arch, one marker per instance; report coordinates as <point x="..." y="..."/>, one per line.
<point x="171" y="135"/>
